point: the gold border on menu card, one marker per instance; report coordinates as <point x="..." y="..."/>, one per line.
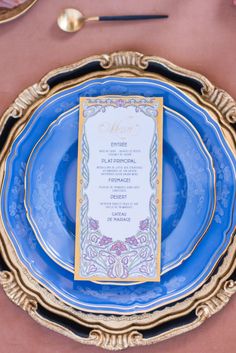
<point x="7" y="15"/>
<point x="159" y="130"/>
<point x="118" y="332"/>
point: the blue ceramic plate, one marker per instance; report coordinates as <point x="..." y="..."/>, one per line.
<point x="188" y="189"/>
<point x="94" y="297"/>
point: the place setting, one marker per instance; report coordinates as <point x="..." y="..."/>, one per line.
<point x="118" y="197"/>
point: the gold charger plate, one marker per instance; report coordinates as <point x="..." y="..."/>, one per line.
<point x="115" y="332"/>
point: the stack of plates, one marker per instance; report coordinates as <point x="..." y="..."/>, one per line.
<point x="38" y="197"/>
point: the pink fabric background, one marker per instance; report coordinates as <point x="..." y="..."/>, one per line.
<point x="199" y="35"/>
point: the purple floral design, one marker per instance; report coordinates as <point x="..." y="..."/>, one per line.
<point x="132" y="240"/>
<point x="120" y="103"/>
<point x="105" y="240"/>
<point x="93" y="224"/>
<point x="119" y="255"/>
<point x="118" y="247"/>
<point x="144" y="225"/>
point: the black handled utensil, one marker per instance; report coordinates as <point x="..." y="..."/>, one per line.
<point x="72" y="20"/>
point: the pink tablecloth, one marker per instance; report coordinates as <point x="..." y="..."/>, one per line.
<point x="199" y="35"/>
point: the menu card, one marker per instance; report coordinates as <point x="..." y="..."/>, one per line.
<point x="119" y="189"/>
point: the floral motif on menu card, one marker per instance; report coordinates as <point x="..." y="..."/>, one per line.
<point x="101" y="245"/>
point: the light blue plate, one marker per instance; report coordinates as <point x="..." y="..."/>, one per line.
<point x="90" y="296"/>
<point x="188" y="189"/>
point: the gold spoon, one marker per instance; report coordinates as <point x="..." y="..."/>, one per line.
<point x="72" y="20"/>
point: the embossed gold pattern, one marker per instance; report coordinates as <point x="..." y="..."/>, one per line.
<point x="27" y="98"/>
<point x="113" y="341"/>
<point x="117" y="332"/>
<point x="15" y="293"/>
<point x="224" y="102"/>
<point x="217" y="302"/>
<point x="124" y="59"/>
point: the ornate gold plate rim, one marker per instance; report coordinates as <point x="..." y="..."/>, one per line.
<point x="11" y="14"/>
<point x="117" y="332"/>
